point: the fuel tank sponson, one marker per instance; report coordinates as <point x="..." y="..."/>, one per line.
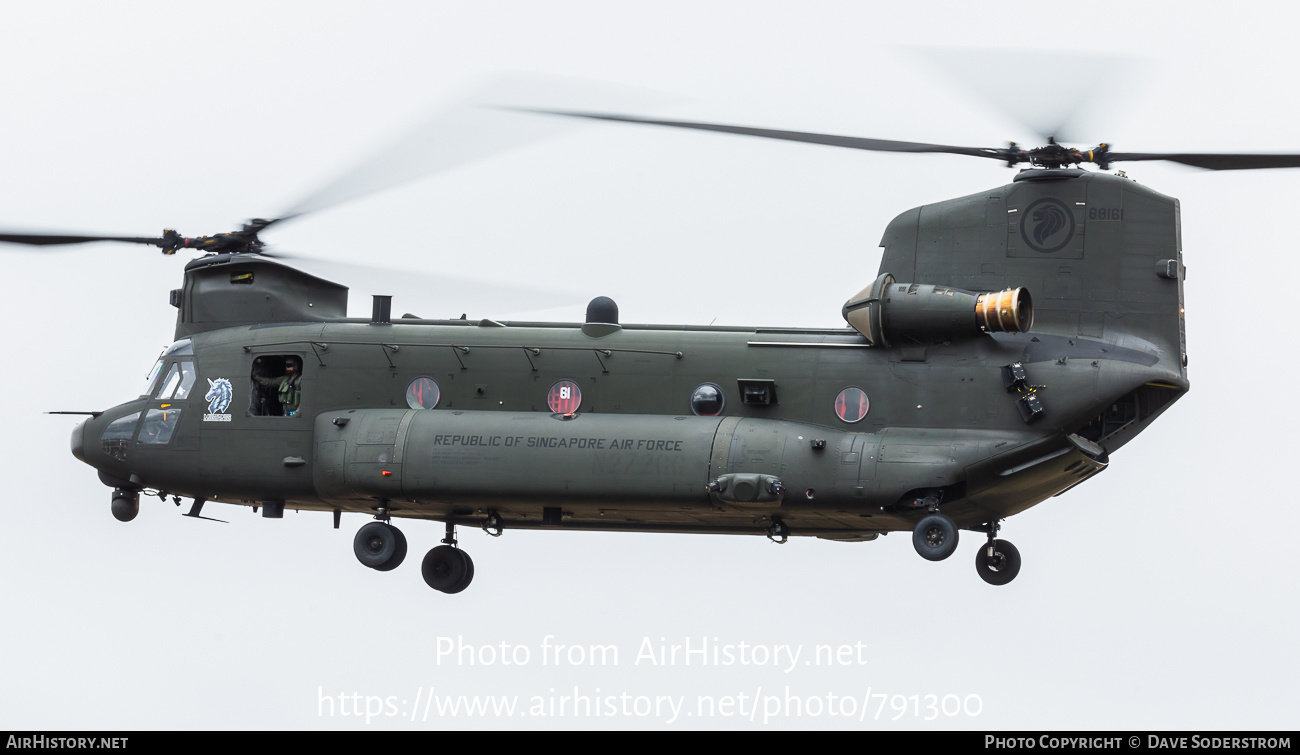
<point x="483" y="457"/>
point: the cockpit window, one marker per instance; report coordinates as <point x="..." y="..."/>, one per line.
<point x="159" y="424"/>
<point x="179" y="382"/>
<point x="153" y="376"/>
<point x="181" y="348"/>
<point x="187" y="380"/>
<point x="117" y="436"/>
<point x="275" y="386"/>
<point x="169" y="384"/>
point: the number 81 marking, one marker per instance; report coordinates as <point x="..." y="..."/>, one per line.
<point x="564" y="397"/>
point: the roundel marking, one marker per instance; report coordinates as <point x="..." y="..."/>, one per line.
<point x="1047" y="225"/>
<point x="564" y="397"/>
<point x="851" y="405"/>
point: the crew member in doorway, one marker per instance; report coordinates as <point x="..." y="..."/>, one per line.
<point x="286" y="386"/>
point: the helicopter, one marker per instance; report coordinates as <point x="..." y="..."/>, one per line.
<point x="1011" y="341"/>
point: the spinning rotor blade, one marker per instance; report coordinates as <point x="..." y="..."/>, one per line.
<point x="831" y="140"/>
<point x="453" y="135"/>
<point x="411" y="290"/>
<point x="51" y="239"/>
<point x="474" y="128"/>
<point x="1214" y="161"/>
<point x="1060" y="92"/>
<point x="1051" y="155"/>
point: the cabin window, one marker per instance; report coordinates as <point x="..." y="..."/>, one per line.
<point x="423" y="393"/>
<point x="851" y="405"/>
<point x="117" y="436"/>
<point x="564" y="397"/>
<point x="159" y="424"/>
<point x="275" y="387"/>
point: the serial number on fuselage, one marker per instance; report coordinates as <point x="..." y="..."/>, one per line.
<point x="538" y="441"/>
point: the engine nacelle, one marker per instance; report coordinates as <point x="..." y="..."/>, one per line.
<point x="888" y="312"/>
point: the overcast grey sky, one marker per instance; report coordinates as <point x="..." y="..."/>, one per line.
<point x="1159" y="595"/>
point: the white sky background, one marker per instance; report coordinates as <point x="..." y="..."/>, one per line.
<point x="1160" y="595"/>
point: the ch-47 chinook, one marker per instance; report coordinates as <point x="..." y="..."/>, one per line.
<point x="953" y="400"/>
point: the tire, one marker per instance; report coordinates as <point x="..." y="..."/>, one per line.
<point x="467" y="578"/>
<point x="935" y="537"/>
<point x="1003" y="567"/>
<point x="445" y="568"/>
<point x="380" y="546"/>
<point x="398" y="557"/>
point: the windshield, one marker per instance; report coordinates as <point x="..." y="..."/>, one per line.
<point x="153" y="378"/>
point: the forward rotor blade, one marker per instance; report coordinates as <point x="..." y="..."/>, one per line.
<point x="830" y="140"/>
<point x="56" y="239"/>
<point x="473" y="128"/>
<point x="433" y="295"/>
<point x="1213" y="161"/>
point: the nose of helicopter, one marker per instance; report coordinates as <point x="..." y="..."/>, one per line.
<point x="78" y="436"/>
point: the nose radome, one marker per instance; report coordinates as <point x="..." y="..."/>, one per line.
<point x="78" y="433"/>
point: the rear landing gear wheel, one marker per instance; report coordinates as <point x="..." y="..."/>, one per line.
<point x="379" y="545"/>
<point x="1001" y="566"/>
<point x="447" y="569"/>
<point x="935" y="537"/>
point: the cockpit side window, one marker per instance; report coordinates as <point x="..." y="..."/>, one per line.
<point x="275" y="386"/>
<point x="159" y="424"/>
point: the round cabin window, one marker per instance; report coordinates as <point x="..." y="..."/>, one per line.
<point x="422" y="393"/>
<point x="564" y="397"/>
<point x="852" y="404"/>
<point x="707" y="400"/>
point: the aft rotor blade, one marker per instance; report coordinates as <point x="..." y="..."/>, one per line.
<point x="830" y="140"/>
<point x="1213" y="161"/>
<point x="56" y="239"/>
<point x="1099" y="84"/>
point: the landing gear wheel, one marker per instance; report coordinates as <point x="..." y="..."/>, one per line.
<point x="126" y="505"/>
<point x="1002" y="566"/>
<point x="379" y="545"/>
<point x="447" y="569"/>
<point x="469" y="573"/>
<point x="935" y="537"/>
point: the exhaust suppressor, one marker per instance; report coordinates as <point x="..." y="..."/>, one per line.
<point x="888" y="312"/>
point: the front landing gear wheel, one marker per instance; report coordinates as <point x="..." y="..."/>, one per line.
<point x="1002" y="566"/>
<point x="379" y="545"/>
<point x="447" y="569"/>
<point x="935" y="537"/>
